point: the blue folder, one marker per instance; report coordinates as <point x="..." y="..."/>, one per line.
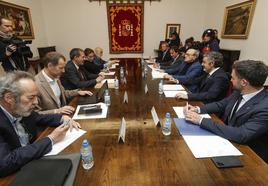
<point x="187" y="128"/>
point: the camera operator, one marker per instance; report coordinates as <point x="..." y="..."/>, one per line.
<point x="13" y="51"/>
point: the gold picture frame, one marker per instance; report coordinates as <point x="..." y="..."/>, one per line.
<point x="20" y="17"/>
<point x="237" y="20"/>
<point x="170" y="28"/>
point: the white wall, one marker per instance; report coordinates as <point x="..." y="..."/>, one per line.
<point x="255" y="47"/>
<point x="82" y="24"/>
<point x="38" y="23"/>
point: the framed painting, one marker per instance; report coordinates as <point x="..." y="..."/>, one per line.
<point x="20" y="17"/>
<point x="237" y="20"/>
<point x="171" y="28"/>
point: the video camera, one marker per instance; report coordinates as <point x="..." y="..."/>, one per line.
<point x="21" y="45"/>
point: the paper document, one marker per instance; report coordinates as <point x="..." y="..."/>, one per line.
<point x="69" y="138"/>
<point x="109" y="81"/>
<point x="180" y="114"/>
<point x="171" y="94"/>
<point x="173" y="87"/>
<point x="157" y="74"/>
<point x="114" y="66"/>
<point x="103" y="114"/>
<point x="150" y="61"/>
<point x="203" y="143"/>
<point x="109" y="73"/>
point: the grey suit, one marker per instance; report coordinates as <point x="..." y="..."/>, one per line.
<point x="248" y="125"/>
<point x="47" y="101"/>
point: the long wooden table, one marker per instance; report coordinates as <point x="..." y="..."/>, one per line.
<point x="148" y="157"/>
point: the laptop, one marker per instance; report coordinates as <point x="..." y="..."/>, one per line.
<point x="95" y="98"/>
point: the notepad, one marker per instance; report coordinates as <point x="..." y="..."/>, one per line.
<point x="173" y="87"/>
<point x="180" y="114"/>
<point x="172" y="94"/>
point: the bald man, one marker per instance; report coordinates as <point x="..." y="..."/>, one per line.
<point x="99" y="61"/>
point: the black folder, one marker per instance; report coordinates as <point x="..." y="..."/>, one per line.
<point x="43" y="172"/>
<point x="90" y="109"/>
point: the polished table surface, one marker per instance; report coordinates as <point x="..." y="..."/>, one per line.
<point x="148" y="157"/>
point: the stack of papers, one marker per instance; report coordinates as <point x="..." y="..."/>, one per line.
<point x="109" y="81"/>
<point x="180" y="114"/>
<point x="203" y="143"/>
<point x="173" y="87"/>
<point x="103" y="114"/>
<point x="171" y="93"/>
<point x="69" y="138"/>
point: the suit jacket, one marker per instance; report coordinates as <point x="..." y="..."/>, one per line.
<point x="71" y="79"/>
<point x="91" y="67"/>
<point x="164" y="57"/>
<point x="47" y="101"/>
<point x="172" y="64"/>
<point x="12" y="155"/>
<point x="99" y="62"/>
<point x="249" y="124"/>
<point x="186" y="72"/>
<point x="211" y="89"/>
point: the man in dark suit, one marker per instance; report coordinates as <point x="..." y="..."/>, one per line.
<point x="190" y="68"/>
<point x="18" y="97"/>
<point x="164" y="54"/>
<point x="75" y="75"/>
<point x="100" y="62"/>
<point x="174" y="62"/>
<point x="213" y="85"/>
<point x="245" y="112"/>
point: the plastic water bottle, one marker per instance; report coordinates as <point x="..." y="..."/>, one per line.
<point x="145" y="69"/>
<point x="121" y="72"/>
<point x="161" y="87"/>
<point x="87" y="155"/>
<point x="116" y="83"/>
<point x="107" y="99"/>
<point x="167" y="125"/>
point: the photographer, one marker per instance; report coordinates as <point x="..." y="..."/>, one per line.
<point x="14" y="53"/>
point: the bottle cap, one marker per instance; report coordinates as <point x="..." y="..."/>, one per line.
<point x="85" y="143"/>
<point x="167" y="115"/>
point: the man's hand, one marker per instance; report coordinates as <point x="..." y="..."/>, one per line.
<point x="10" y="49"/>
<point x="65" y="110"/>
<point x="167" y="76"/>
<point x="83" y="93"/>
<point x="99" y="79"/>
<point x="192" y="117"/>
<point x="58" y="133"/>
<point x="181" y="96"/>
<point x="69" y="121"/>
<point x="190" y="108"/>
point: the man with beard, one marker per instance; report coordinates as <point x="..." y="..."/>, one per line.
<point x="245" y="112"/>
<point x="18" y="123"/>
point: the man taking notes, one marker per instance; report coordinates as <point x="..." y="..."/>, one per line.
<point x="18" y="123"/>
<point x="245" y="112"/>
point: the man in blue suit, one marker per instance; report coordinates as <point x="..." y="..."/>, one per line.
<point x="189" y="69"/>
<point x="245" y="112"/>
<point x="213" y="85"/>
<point x="18" y="123"/>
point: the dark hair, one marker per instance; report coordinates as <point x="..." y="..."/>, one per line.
<point x="210" y="33"/>
<point x="215" y="57"/>
<point x="255" y="72"/>
<point x="88" y="51"/>
<point x="175" y="48"/>
<point x="75" y="52"/>
<point x="189" y="40"/>
<point x="53" y="58"/>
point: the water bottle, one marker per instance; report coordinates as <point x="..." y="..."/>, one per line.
<point x="107" y="100"/>
<point x="116" y="83"/>
<point x="145" y="69"/>
<point x="142" y="63"/>
<point x="121" y="72"/>
<point x="87" y="155"/>
<point x="167" y="125"/>
<point x="161" y="87"/>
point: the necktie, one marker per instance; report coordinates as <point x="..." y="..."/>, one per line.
<point x="23" y="136"/>
<point x="81" y="76"/>
<point x="236" y="106"/>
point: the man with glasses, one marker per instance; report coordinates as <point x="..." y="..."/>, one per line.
<point x="189" y="69"/>
<point x="75" y="75"/>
